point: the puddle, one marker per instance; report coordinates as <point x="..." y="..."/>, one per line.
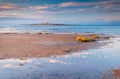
<point x="89" y="64"/>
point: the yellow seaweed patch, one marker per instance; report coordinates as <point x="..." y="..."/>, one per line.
<point x="83" y="39"/>
<point x="94" y="36"/>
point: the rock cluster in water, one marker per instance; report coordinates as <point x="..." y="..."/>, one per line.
<point x="90" y="38"/>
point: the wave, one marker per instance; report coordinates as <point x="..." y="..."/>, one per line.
<point x="9" y="30"/>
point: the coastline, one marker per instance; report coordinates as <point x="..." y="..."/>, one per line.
<point x="41" y="45"/>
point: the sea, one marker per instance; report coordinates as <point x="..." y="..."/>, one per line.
<point x="96" y="63"/>
<point x="27" y="28"/>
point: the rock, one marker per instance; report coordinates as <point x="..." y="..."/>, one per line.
<point x="94" y="36"/>
<point x="39" y="33"/>
<point x="21" y="64"/>
<point x="67" y="50"/>
<point x="106" y="37"/>
<point x="83" y="39"/>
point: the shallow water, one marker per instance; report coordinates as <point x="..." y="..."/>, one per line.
<point x="88" y="64"/>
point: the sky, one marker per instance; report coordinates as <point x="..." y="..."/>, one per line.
<point x="60" y="11"/>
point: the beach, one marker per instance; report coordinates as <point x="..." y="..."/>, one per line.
<point x="59" y="52"/>
<point x="51" y="55"/>
<point x="41" y="45"/>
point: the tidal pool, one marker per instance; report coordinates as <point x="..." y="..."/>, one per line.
<point x="88" y="64"/>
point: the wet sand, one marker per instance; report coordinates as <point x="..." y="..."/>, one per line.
<point x="115" y="73"/>
<point x="40" y="45"/>
<point x="112" y="74"/>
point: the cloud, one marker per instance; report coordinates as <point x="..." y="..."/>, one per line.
<point x="7" y="7"/>
<point x="18" y="15"/>
<point x="68" y="4"/>
<point x="71" y="4"/>
<point x="82" y="10"/>
<point x="26" y="8"/>
<point x="38" y="7"/>
<point x="101" y="6"/>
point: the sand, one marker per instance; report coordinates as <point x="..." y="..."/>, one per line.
<point x="40" y="45"/>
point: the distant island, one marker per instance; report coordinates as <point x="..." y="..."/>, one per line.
<point x="57" y="24"/>
<point x="50" y="24"/>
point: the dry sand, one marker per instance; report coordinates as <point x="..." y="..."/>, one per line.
<point x="40" y="45"/>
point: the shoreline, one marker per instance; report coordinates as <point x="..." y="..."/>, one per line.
<point x="14" y="45"/>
